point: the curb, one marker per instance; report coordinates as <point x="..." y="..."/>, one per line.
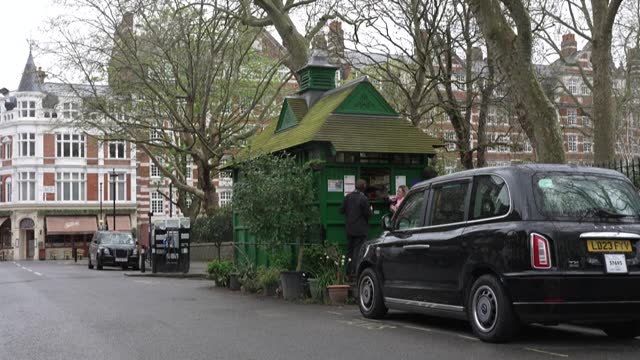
<point x="166" y="275"/>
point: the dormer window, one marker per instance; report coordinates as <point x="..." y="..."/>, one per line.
<point x="27" y="109"/>
<point x="70" y="110"/>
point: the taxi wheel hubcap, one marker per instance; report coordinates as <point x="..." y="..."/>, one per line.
<point x="485" y="308"/>
<point x="366" y="293"/>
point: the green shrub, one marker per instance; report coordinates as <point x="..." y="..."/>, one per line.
<point x="248" y="276"/>
<point x="219" y="271"/>
<point x="216" y="229"/>
<point x="282" y="260"/>
<point x="268" y="277"/>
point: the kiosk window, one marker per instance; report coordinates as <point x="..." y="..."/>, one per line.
<point x="411" y="213"/>
<point x="377" y="182"/>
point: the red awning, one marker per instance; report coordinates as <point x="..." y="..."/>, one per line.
<point x="69" y="225"/>
<point x="123" y="223"/>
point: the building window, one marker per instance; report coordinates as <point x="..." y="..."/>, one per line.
<point x="68" y="145"/>
<point x="121" y="187"/>
<point x="450" y="139"/>
<point x="6" y="153"/>
<point x="155" y="136"/>
<point x="572" y="143"/>
<point x="225" y="197"/>
<point x="27" y="144"/>
<point x="157" y="203"/>
<point x="70" y="110"/>
<point x="8" y="190"/>
<point x="27" y="186"/>
<point x="572" y="86"/>
<point x="572" y="117"/>
<point x="584" y="90"/>
<point x="491" y="117"/>
<point x="527" y="146"/>
<point x="155" y="170"/>
<point x="70" y="186"/>
<point x="116" y="150"/>
<point x="188" y="171"/>
<point x="587" y="121"/>
<point x="27" y="109"/>
<point x="587" y="146"/>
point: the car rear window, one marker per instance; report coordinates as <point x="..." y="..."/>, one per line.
<point x="579" y="196"/>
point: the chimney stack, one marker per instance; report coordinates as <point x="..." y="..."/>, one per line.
<point x="569" y="45"/>
<point x="41" y="75"/>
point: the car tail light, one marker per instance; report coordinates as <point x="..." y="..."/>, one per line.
<point x="540" y="254"/>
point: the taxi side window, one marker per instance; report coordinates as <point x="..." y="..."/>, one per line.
<point x="448" y="204"/>
<point x="490" y="197"/>
<point x="411" y="214"/>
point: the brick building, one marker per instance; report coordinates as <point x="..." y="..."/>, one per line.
<point x="563" y="82"/>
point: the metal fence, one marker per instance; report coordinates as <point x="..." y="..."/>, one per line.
<point x="630" y="169"/>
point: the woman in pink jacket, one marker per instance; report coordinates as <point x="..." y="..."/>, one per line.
<point x="397" y="200"/>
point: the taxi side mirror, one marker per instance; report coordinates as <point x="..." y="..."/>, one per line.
<point x="386" y="222"/>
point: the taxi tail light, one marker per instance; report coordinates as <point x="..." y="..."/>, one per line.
<point x="540" y="252"/>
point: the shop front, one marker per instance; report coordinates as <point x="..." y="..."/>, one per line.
<point x="66" y="235"/>
<point x="6" y="245"/>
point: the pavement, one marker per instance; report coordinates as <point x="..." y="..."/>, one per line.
<point x="59" y="310"/>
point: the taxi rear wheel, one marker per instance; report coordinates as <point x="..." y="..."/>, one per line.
<point x="490" y="311"/>
<point x="625" y="330"/>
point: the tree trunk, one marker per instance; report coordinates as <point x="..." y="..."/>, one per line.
<point x="604" y="135"/>
<point x="210" y="203"/>
<point x="300" y="254"/>
<point x="482" y="128"/>
<point x="512" y="54"/>
<point x="295" y="43"/>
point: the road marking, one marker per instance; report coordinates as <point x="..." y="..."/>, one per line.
<point x="418" y="328"/>
<point x="334" y="312"/>
<point x="29" y="270"/>
<point x="37" y="273"/>
<point x="468" y="337"/>
<point x="547" y="352"/>
<point x="369" y="325"/>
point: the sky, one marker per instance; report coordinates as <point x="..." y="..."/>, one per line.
<point x="20" y="20"/>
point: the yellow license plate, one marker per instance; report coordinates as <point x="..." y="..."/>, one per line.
<point x="609" y="246"/>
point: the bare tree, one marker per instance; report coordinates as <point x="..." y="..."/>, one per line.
<point x="186" y="83"/>
<point x="428" y="59"/>
<point x="593" y="20"/>
<point x="507" y="26"/>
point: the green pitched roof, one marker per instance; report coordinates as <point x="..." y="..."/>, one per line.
<point x="376" y="130"/>
<point x="293" y="110"/>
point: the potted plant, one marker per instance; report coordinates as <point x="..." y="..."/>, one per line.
<point x="268" y="280"/>
<point x="337" y="290"/>
<point x="219" y="272"/>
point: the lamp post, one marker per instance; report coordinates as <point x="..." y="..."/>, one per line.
<point x="101" y="218"/>
<point x="114" y="177"/>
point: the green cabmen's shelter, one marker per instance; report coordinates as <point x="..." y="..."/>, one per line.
<point x="357" y="134"/>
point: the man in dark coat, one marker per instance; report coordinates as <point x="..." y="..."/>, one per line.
<point x="357" y="212"/>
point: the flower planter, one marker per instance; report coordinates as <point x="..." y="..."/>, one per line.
<point x="338" y="293"/>
<point x="317" y="292"/>
<point x="234" y="281"/>
<point x="291" y="284"/>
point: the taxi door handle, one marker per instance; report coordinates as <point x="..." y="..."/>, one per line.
<point x="416" y="247"/>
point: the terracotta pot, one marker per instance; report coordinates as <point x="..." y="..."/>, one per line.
<point x="338" y="293"/>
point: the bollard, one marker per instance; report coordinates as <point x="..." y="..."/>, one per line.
<point x="142" y="260"/>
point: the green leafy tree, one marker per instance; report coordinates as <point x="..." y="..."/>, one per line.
<point x="217" y="229"/>
<point x="273" y="198"/>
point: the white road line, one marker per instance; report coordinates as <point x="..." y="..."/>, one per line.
<point x="29" y="270"/>
<point x="417" y="328"/>
<point x="37" y="273"/>
<point x="334" y="312"/>
<point x="468" y="337"/>
<point x="547" y="352"/>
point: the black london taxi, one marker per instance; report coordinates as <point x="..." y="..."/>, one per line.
<point x="113" y="248"/>
<point x="507" y="246"/>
